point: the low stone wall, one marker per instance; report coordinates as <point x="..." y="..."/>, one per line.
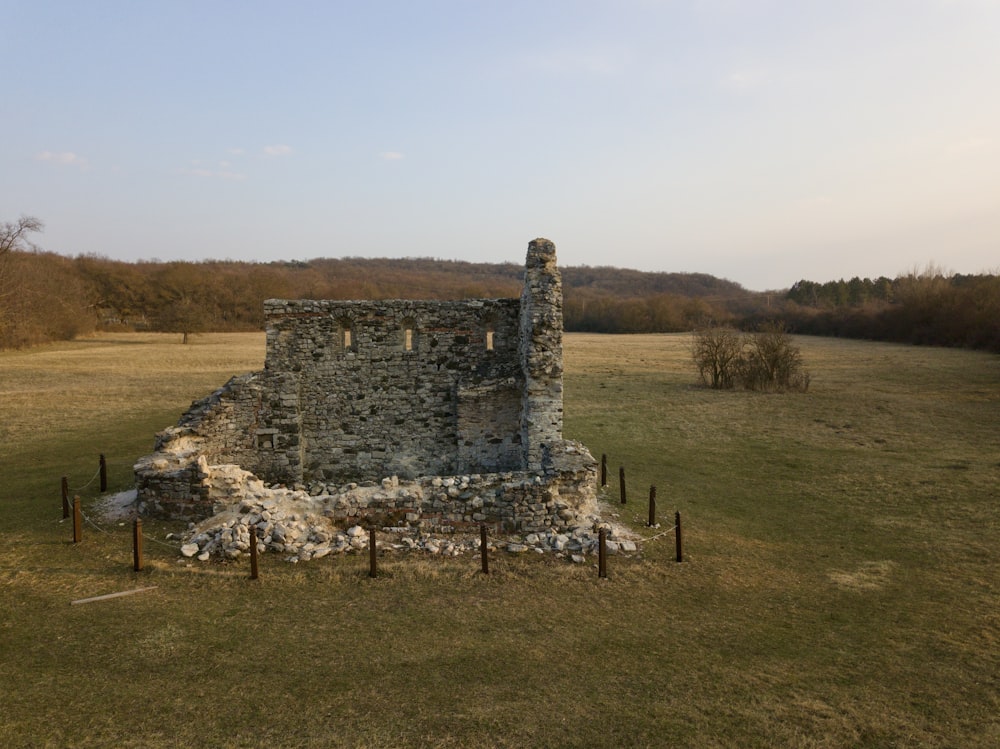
<point x="303" y="526"/>
<point x="183" y="485"/>
<point x="174" y="484"/>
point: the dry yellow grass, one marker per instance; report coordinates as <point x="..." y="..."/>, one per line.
<point x="67" y="386"/>
<point x="840" y="587"/>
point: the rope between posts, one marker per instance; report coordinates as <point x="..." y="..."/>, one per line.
<point x="81" y="488"/>
<point x="161" y="543"/>
<point x="174" y="547"/>
<point x="84" y="516"/>
<point x="653" y="538"/>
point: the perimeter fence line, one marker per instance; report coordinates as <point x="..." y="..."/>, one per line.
<point x="139" y="535"/>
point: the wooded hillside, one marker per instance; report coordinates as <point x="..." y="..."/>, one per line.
<point x="45" y="296"/>
<point x="61" y="297"/>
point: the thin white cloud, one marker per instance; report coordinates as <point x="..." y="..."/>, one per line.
<point x="277" y="150"/>
<point x="390" y="155"/>
<point x="61" y="157"/>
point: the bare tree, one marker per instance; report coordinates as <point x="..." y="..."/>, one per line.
<point x="182" y="315"/>
<point x="13" y="238"/>
<point x="764" y="360"/>
<point x="13" y="234"/>
<point x="186" y="299"/>
<point x="772" y="361"/>
<point x="717" y="353"/>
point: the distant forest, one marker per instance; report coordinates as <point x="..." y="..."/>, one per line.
<point x="45" y="296"/>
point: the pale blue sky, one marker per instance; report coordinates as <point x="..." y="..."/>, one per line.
<point x="762" y="141"/>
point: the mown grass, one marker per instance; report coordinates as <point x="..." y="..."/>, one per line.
<point x="839" y="587"/>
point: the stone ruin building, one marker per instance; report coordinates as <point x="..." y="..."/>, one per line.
<point x="404" y="413"/>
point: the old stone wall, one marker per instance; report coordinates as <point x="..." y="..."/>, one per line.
<point x="386" y="388"/>
<point x="375" y="391"/>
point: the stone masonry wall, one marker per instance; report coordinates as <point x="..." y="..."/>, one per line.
<point x="541" y="354"/>
<point x="379" y="386"/>
<point x="364" y="392"/>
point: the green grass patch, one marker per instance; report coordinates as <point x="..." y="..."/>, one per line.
<point x="839" y="588"/>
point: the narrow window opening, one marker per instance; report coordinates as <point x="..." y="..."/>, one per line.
<point x="346" y="339"/>
<point x="489" y="340"/>
<point x="409" y="337"/>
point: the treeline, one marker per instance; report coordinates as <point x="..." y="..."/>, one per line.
<point x="930" y="308"/>
<point x="42" y="298"/>
<point x="45" y="296"/>
<point x="615" y="300"/>
<point x="60" y="297"/>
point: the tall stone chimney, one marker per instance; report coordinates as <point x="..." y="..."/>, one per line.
<point x="541" y="355"/>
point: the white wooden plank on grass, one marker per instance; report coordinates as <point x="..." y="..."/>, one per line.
<point x="112" y="595"/>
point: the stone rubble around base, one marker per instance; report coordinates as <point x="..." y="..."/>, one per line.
<point x="300" y="524"/>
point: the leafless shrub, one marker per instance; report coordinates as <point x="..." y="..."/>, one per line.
<point x="772" y="362"/>
<point x="763" y="360"/>
<point x="716" y="353"/>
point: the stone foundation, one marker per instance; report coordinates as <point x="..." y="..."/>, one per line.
<point x="510" y="502"/>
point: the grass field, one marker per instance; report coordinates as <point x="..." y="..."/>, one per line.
<point x="839" y="588"/>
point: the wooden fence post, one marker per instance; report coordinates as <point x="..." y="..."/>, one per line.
<point x="77" y="524"/>
<point x="104" y="474"/>
<point x="484" y="550"/>
<point x="137" y="545"/>
<point x="372" y="564"/>
<point x="254" y="562"/>
<point x="604" y="469"/>
<point x="652" y="507"/>
<point x="602" y="554"/>
<point x="65" y="497"/>
<point x="621" y="481"/>
<point x="677" y="535"/>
